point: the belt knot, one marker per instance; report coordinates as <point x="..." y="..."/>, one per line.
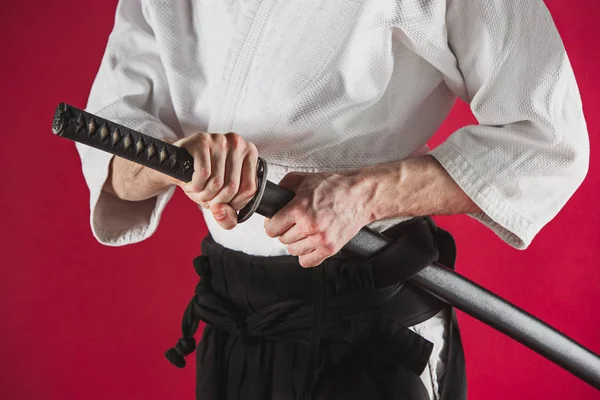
<point x="241" y="326"/>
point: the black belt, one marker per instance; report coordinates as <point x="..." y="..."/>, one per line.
<point x="347" y="319"/>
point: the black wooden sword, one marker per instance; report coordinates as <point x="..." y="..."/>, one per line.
<point x="454" y="289"/>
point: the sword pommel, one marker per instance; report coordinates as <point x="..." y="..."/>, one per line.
<point x="58" y="123"/>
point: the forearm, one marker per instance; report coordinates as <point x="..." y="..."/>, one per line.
<point x="328" y="209"/>
<point x="133" y="182"/>
<point x="414" y="187"/>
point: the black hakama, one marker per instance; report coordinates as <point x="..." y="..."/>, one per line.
<point x="275" y="330"/>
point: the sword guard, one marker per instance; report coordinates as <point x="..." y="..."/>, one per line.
<point x="261" y="176"/>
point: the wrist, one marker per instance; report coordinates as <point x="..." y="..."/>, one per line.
<point x="157" y="180"/>
<point x="133" y="182"/>
<point x="379" y="187"/>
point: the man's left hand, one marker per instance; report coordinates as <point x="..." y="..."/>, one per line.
<point x="328" y="210"/>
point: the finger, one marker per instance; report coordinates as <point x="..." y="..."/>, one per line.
<point x="195" y="197"/>
<point x="218" y="158"/>
<point x="292" y="180"/>
<point x="202" y="166"/>
<point x="231" y="177"/>
<point x="292" y="235"/>
<point x="279" y="223"/>
<point x="312" y="259"/>
<point x="302" y="247"/>
<point x="248" y="183"/>
<point x="225" y="216"/>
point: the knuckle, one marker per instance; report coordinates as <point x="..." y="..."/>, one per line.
<point x="323" y="239"/>
<point x="305" y="229"/>
<point x="296" y="215"/>
<point x="205" y="147"/>
<point x="289" y="212"/>
<point x="236" y="140"/>
<point x="216" y="184"/>
<point x="252" y="150"/>
<point x="220" y="140"/>
<point x="232" y="187"/>
<point x="252" y="186"/>
<point x="247" y="188"/>
<point x="312" y="226"/>
<point x="328" y="248"/>
<point x="245" y="195"/>
<point x="200" y="197"/>
<point x="198" y="147"/>
<point x="198" y="143"/>
<point x="232" y="136"/>
<point x="203" y="174"/>
<point x="303" y="203"/>
<point x="297" y="210"/>
<point x="309" y="225"/>
<point x="326" y="242"/>
<point x="194" y="197"/>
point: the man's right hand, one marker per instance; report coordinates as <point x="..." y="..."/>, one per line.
<point x="224" y="178"/>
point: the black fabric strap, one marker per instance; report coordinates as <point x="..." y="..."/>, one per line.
<point x="295" y="320"/>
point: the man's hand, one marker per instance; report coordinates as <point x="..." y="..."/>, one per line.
<point x="327" y="211"/>
<point x="224" y="179"/>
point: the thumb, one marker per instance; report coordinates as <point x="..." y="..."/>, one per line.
<point x="225" y="215"/>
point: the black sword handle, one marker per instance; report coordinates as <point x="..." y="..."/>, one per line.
<point x="78" y="125"/>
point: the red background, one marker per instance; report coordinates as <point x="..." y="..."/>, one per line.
<point x="83" y="321"/>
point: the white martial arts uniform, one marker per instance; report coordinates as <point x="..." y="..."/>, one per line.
<point x="323" y="85"/>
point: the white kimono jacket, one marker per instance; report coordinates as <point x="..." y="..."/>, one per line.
<point x="339" y="84"/>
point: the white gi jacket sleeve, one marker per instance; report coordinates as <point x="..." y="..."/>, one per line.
<point x="131" y="89"/>
<point x="530" y="151"/>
